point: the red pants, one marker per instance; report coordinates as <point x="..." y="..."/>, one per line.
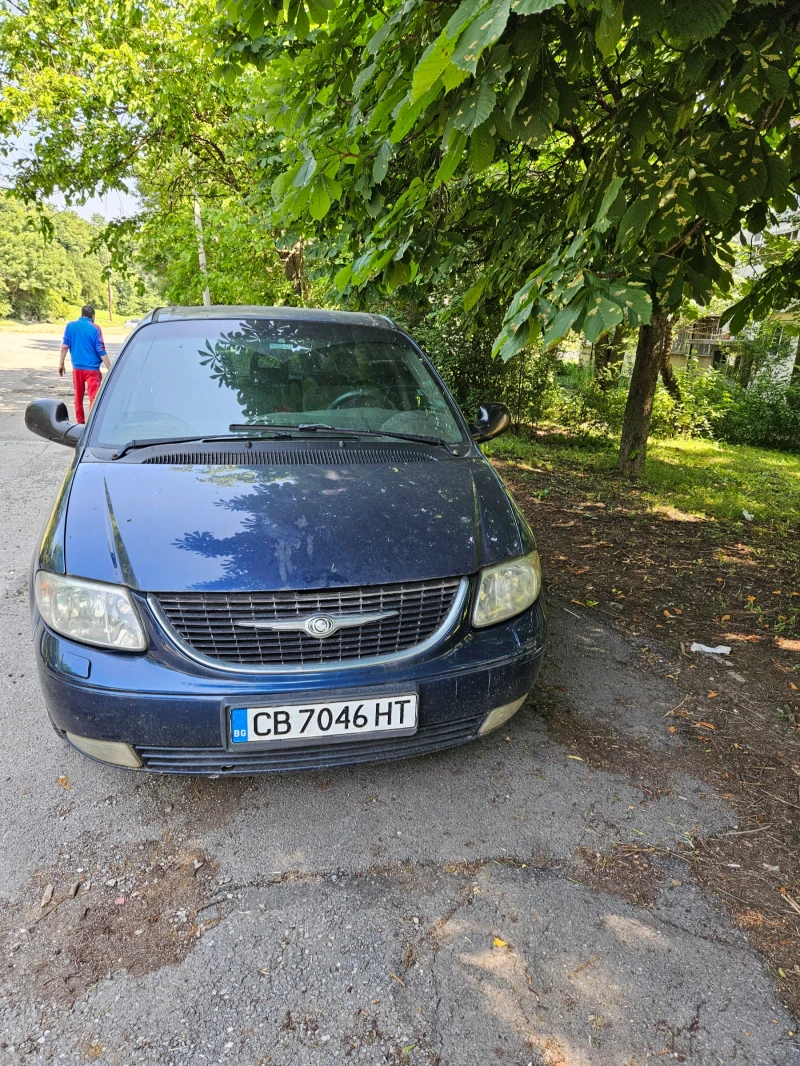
<point x="84" y="380"/>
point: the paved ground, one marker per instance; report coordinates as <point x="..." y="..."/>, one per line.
<point x="443" y="910"/>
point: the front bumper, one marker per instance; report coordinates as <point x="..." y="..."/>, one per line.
<point x="170" y="709"/>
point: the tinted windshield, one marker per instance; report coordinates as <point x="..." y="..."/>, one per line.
<point x="196" y="378"/>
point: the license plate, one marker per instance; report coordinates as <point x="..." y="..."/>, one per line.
<point x="395" y="715"/>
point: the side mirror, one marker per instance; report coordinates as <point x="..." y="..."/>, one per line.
<point x="50" y="419"/>
<point x="493" y="419"/>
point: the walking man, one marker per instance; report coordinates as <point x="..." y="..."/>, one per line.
<point x="84" y="342"/>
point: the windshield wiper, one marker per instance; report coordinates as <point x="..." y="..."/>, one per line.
<point x="154" y="442"/>
<point x="310" y="427"/>
<point x="313" y="427"/>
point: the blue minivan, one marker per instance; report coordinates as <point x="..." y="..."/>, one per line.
<point x="278" y="546"/>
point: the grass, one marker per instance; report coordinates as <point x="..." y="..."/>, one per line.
<point x="697" y="477"/>
<point x="14" y="325"/>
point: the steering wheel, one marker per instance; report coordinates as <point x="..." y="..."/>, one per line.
<point x="362" y="398"/>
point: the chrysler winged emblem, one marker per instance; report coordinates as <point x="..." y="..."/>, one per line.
<point x="317" y="625"/>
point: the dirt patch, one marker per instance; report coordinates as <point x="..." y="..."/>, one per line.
<point x="200" y="803"/>
<point x="137" y="913"/>
<point x="626" y="871"/>
<point x="668" y="579"/>
<point x="601" y="745"/>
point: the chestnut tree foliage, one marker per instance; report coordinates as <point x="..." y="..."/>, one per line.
<point x="587" y="162"/>
<point x="566" y="164"/>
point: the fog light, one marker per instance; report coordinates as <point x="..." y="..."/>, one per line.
<point x="113" y="751"/>
<point x="494" y="719"/>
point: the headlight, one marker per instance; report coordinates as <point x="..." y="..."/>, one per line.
<point x="507" y="589"/>
<point x="89" y="612"/>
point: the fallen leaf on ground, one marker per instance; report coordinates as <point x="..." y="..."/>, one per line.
<point x="48" y="895"/>
<point x="705" y="725"/>
<point x="498" y="943"/>
<point x="577" y="758"/>
<point x="712" y="695"/>
<point x="64" y="782"/>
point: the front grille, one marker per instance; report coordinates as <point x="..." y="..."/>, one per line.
<point x="323" y="756"/>
<point x="291" y="457"/>
<point x="207" y="621"/>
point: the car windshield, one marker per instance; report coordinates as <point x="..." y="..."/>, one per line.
<point x="180" y="379"/>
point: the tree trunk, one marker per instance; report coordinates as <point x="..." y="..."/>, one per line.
<point x="608" y="359"/>
<point x="667" y="373"/>
<point x="639" y="408"/>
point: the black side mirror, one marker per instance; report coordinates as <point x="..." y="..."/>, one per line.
<point x="50" y="419"/>
<point x="493" y="419"/>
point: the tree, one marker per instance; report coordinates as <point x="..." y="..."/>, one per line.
<point x="598" y="156"/>
<point x="593" y="158"/>
<point x="107" y="97"/>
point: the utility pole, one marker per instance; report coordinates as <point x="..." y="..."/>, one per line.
<point x="108" y="282"/>
<point x="201" y="251"/>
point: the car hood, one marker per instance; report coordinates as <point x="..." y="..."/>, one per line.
<point x="174" y="528"/>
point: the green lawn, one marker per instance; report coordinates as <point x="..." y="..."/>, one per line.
<point x="101" y="318"/>
<point x="699" y="477"/>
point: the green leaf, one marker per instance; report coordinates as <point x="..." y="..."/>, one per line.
<point x="305" y="173"/>
<point x="474" y="294"/>
<point x="634" y="301"/>
<point x="396" y="273"/>
<point x="635" y="219"/>
<point x="601" y="317"/>
<point x="452" y="157"/>
<point x="362" y="79"/>
<point x="381" y="164"/>
<point x="318" y="12"/>
<point x="343" y="277"/>
<point x="533" y="7"/>
<point x="462" y="16"/>
<point x="319" y="201"/>
<point x="479" y="34"/>
<point x="715" y="197"/>
<point x="609" y="29"/>
<point x="302" y="24"/>
<point x="512" y="339"/>
<point x="282" y="184"/>
<point x="409" y="112"/>
<point x="561" y="324"/>
<point x="432" y="64"/>
<point x="609" y="196"/>
<point x="386" y="30"/>
<point x="740" y="159"/>
<point x="333" y="186"/>
<point x="538" y="111"/>
<point x="475" y="108"/>
<point x="481" y="149"/>
<point x="696" y="21"/>
<point x="778" y="179"/>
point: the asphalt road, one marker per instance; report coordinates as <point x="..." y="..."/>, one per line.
<point x="431" y="911"/>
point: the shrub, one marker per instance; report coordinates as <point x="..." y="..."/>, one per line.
<point x="712" y="405"/>
<point x="767" y="413"/>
